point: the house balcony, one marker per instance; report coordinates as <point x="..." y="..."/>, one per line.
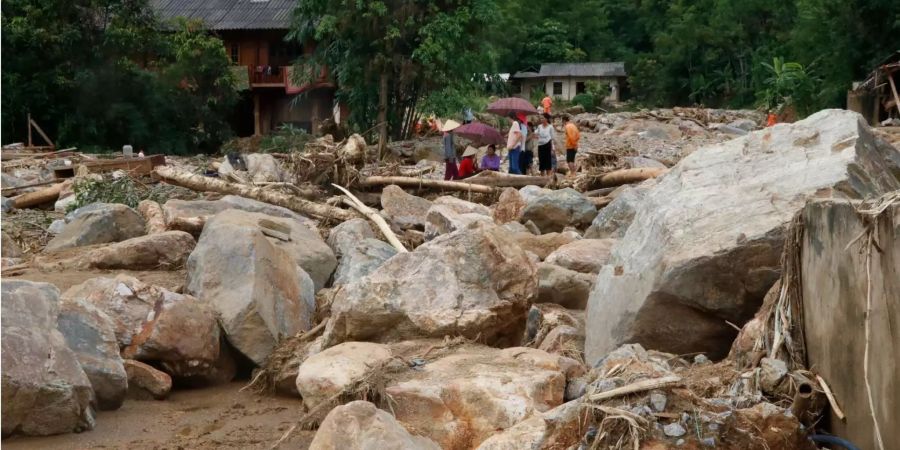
<point x="267" y="76"/>
<point x="264" y="77"/>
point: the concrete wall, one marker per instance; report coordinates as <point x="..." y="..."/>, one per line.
<point x="834" y="297"/>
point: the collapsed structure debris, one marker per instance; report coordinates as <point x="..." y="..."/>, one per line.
<point x="600" y="310"/>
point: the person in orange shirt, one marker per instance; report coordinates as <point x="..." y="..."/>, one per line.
<point x="547" y="102"/>
<point x="572" y="138"/>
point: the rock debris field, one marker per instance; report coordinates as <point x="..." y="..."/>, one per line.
<point x="265" y="308"/>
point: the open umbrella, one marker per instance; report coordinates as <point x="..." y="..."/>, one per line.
<point x="507" y="105"/>
<point x="481" y="133"/>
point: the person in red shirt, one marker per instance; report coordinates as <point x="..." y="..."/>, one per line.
<point x="468" y="165"/>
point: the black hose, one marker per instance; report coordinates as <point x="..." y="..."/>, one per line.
<point x="832" y="440"/>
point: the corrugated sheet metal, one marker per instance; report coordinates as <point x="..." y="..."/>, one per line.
<point x="600" y="69"/>
<point x="230" y="14"/>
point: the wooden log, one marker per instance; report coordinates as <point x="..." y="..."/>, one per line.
<point x="40" y="197"/>
<point x="154" y="216"/>
<point x="599" y="192"/>
<point x="201" y="183"/>
<point x="425" y="183"/>
<point x="373" y="215"/>
<point x="10" y="190"/>
<point x="626" y="176"/>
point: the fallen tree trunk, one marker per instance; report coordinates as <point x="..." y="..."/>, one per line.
<point x="153" y="215"/>
<point x="626" y="176"/>
<point x="40" y="197"/>
<point x="201" y="183"/>
<point x="421" y="182"/>
<point x="498" y="179"/>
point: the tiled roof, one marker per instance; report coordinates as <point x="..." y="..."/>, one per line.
<point x="593" y="69"/>
<point x="230" y="14"/>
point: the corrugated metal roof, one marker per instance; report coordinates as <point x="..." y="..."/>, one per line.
<point x="592" y="69"/>
<point x="230" y="14"/>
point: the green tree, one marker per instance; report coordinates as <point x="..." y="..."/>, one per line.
<point x="387" y="56"/>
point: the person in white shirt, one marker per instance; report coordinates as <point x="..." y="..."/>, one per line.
<point x="545" y="135"/>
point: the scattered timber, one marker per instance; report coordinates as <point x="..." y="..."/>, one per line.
<point x="627" y="176"/>
<point x="426" y="183"/>
<point x="200" y="183"/>
<point x="46" y="195"/>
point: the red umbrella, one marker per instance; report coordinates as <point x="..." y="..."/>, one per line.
<point x="481" y="133"/>
<point x="505" y="106"/>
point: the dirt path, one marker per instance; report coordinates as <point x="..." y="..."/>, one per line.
<point x="216" y="417"/>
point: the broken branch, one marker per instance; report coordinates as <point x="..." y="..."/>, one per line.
<point x="374" y="217"/>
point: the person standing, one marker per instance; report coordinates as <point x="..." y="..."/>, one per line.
<point x="468" y="117"/>
<point x="491" y="161"/>
<point x="572" y="138"/>
<point x="526" y="161"/>
<point x="545" y="145"/>
<point x="450" y="170"/>
<point x="547" y="102"/>
<point x="514" y="143"/>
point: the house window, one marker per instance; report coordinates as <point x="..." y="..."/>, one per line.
<point x="579" y="87"/>
<point x="557" y="88"/>
<point x="235" y="52"/>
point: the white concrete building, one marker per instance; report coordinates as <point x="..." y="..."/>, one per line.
<point x="566" y="80"/>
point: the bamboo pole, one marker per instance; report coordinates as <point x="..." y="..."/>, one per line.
<point x="373" y="215"/>
<point x="421" y="182"/>
<point x="640" y="386"/>
<point x="201" y="183"/>
<point x="497" y="179"/>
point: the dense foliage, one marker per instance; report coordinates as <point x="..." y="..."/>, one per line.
<point x="105" y="73"/>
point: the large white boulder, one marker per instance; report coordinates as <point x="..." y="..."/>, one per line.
<point x="360" y="425"/>
<point x="45" y="391"/>
<point x="472" y="282"/>
<point x="704" y="245"/>
<point x="251" y="268"/>
<point x="326" y="374"/>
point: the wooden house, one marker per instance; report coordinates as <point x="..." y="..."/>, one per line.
<point x="566" y="80"/>
<point x="253" y="33"/>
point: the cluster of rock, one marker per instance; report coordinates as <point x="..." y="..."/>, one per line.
<point x="476" y="338"/>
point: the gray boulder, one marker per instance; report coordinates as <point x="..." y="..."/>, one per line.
<point x="9" y="247"/>
<point x="191" y="215"/>
<point x="614" y="218"/>
<point x="444" y="219"/>
<point x="708" y="236"/>
<point x="45" y="390"/>
<point x="583" y="255"/>
<point x="403" y="209"/>
<point x="563" y="286"/>
<point x="90" y="333"/>
<point x="99" y="223"/>
<point x="348" y="233"/>
<point x="554" y="210"/>
<point x="259" y="167"/>
<point x="361" y="260"/>
<point x="258" y="283"/>
<point x="471" y="282"/>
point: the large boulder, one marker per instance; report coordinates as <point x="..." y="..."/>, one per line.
<point x="146" y="382"/>
<point x="99" y="223"/>
<point x="706" y="240"/>
<point x="444" y="219"/>
<point x="462" y="206"/>
<point x="509" y="206"/>
<point x="560" y="427"/>
<point x="327" y="374"/>
<point x="360" y="425"/>
<point x="90" y="333"/>
<point x="257" y="283"/>
<point x="465" y="397"/>
<point x="543" y="245"/>
<point x="472" y="282"/>
<point x="9" y="247"/>
<point x="613" y="220"/>
<point x="554" y="210"/>
<point x="166" y="250"/>
<point x="179" y="332"/>
<point x="562" y="286"/>
<point x="260" y="167"/>
<point x="45" y="391"/>
<point x="358" y="251"/>
<point x="191" y="215"/>
<point x="583" y="255"/>
<point x="405" y="210"/>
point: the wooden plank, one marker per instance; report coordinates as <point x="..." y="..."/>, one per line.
<point x="41" y="132"/>
<point x="135" y="166"/>
<point x="894" y="91"/>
